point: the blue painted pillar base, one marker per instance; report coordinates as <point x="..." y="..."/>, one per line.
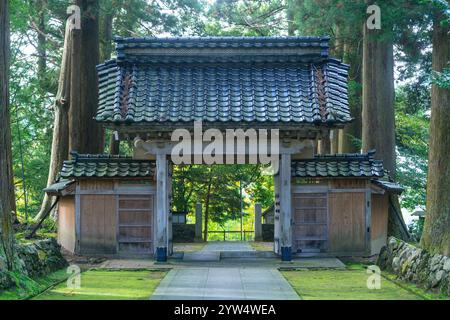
<point x="161" y="254"/>
<point x="286" y="253"/>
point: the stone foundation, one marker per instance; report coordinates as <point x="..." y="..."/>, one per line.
<point x="416" y="265"/>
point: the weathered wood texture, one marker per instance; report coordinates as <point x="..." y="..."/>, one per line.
<point x="310" y="218"/>
<point x="380" y="207"/>
<point x="346" y="231"/>
<point x="105" y="185"/>
<point x="66" y="223"/>
<point x="135" y="216"/>
<point x="98" y="224"/>
<point x="285" y="202"/>
<point x="348" y="183"/>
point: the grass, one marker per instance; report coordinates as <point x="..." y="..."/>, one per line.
<point x="28" y="287"/>
<point x="351" y="284"/>
<point x="108" y="285"/>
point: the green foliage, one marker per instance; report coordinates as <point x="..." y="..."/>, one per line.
<point x="412" y="136"/>
<point x="415" y="229"/>
<point x="246" y="18"/>
<point x="218" y="185"/>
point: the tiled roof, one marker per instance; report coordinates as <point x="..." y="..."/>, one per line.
<point x="267" y="86"/>
<point x="389" y="186"/>
<point x="106" y="166"/>
<point x="339" y="165"/>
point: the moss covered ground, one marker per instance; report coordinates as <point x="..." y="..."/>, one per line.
<point x="27" y="287"/>
<point x="351" y="284"/>
<point x="108" y="285"/>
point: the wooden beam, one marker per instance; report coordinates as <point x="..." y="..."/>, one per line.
<point x="285" y="207"/>
<point x="276" y="215"/>
<point x="77" y="218"/>
<point x="368" y="218"/>
<point x="162" y="210"/>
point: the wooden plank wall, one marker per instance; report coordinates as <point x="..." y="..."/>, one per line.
<point x="346" y="232"/>
<point x="66" y="223"/>
<point x="136" y="224"/>
<point x="380" y="207"/>
<point x="310" y="221"/>
<point x="98" y="218"/>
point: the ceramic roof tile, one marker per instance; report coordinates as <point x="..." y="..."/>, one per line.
<point x="105" y="166"/>
<point x="152" y="91"/>
<point x="339" y="165"/>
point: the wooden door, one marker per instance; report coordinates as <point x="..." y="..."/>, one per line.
<point x="135" y="224"/>
<point x="310" y="222"/>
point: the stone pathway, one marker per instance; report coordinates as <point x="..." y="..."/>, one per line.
<point x="228" y="246"/>
<point x="197" y="283"/>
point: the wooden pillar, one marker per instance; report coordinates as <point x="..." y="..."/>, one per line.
<point x="198" y="222"/>
<point x="334" y="141"/>
<point x="162" y="209"/>
<point x="258" y="222"/>
<point x="276" y="216"/>
<point x="285" y="207"/>
<point x="169" y="209"/>
<point x="368" y="218"/>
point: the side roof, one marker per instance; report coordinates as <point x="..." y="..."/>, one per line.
<point x="105" y="166"/>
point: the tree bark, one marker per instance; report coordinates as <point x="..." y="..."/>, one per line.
<point x="337" y="52"/>
<point x="76" y="129"/>
<point x="60" y="141"/>
<point x="6" y="185"/>
<point x="436" y="234"/>
<point x="378" y="119"/>
<point x="91" y="133"/>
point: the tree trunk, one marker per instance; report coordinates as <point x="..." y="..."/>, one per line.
<point x="6" y="186"/>
<point x="436" y="235"/>
<point x="378" y="99"/>
<point x="378" y="120"/>
<point x="106" y="31"/>
<point x="60" y="141"/>
<point x="352" y="56"/>
<point x="75" y="103"/>
<point x="91" y="133"/>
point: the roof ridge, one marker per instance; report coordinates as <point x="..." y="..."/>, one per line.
<point x="118" y="39"/>
<point x="369" y="156"/>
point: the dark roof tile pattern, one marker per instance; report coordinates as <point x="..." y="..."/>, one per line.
<point x="270" y="87"/>
<point x="106" y="166"/>
<point x="339" y="165"/>
<point x="222" y="94"/>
